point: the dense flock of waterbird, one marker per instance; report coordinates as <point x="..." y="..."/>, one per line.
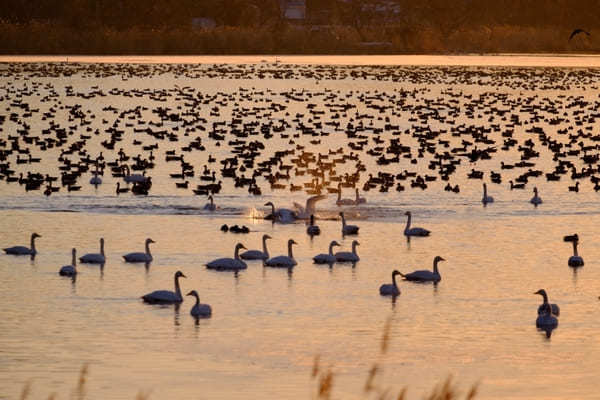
<point x="489" y="125"/>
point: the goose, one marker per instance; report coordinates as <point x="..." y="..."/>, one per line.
<point x="166" y="296"/>
<point x="282" y="215"/>
<point x="346" y="256"/>
<point x="140" y="257"/>
<point x="229" y="264"/>
<point x="348" y="229"/>
<point x="199" y="310"/>
<point x="70" y="270"/>
<point x="313" y="229"/>
<point x="486" y="199"/>
<point x="326" y="258"/>
<point x="257" y="254"/>
<point x="283" y="261"/>
<point x="535" y="200"/>
<point x="390" y="289"/>
<point x="210" y="206"/>
<point x="310" y="207"/>
<point x="575" y="260"/>
<point x="343" y="202"/>
<point x="22" y="250"/>
<point x="543" y="308"/>
<point x="94" y="258"/>
<point x="359" y="200"/>
<point x="408" y="231"/>
<point x="425" y="275"/>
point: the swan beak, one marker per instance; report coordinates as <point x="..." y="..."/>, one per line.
<point x="190" y="293"/>
<point x="183" y="276"/>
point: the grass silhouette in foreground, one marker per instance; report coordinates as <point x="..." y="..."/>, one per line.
<point x="324" y="378"/>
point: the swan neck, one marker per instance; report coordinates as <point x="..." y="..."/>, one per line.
<point x="33" y="244"/>
<point x="354" y="248"/>
<point x="408" y="222"/>
<point x="394" y="281"/>
<point x="147" y="248"/>
<point x="343" y="220"/>
<point x="545" y="296"/>
<point x="435" y="267"/>
<point x="290" y="255"/>
<point x="74" y="259"/>
<point x="331" y="249"/>
<point x="265" y="246"/>
<point x="575" y="249"/>
<point x="236" y="254"/>
<point x="102" y="247"/>
<point x="177" y="288"/>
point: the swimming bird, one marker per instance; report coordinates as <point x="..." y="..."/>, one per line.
<point x="535" y="200"/>
<point x="199" y="310"/>
<point x="408" y="231"/>
<point x="309" y="209"/>
<point x="210" y="206"/>
<point x="346" y="256"/>
<point x="140" y="257"/>
<point x="425" y="275"/>
<point x="575" y="260"/>
<point x="257" y="254"/>
<point x="313" y="229"/>
<point x="70" y="270"/>
<point x="390" y="289"/>
<point x="343" y="202"/>
<point x="133" y="178"/>
<point x="348" y="229"/>
<point x="282" y="215"/>
<point x="326" y="258"/>
<point x="359" y="200"/>
<point x="94" y="258"/>
<point x="545" y="306"/>
<point x="229" y="264"/>
<point x="486" y="199"/>
<point x="22" y="250"/>
<point x="166" y="296"/>
<point x="283" y="261"/>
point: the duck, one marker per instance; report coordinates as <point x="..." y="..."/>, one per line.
<point x="94" y="258"/>
<point x="22" y="250"/>
<point x="346" y="256"/>
<point x="348" y="229"/>
<point x="199" y="310"/>
<point x="70" y="270"/>
<point x="390" y="289"/>
<point x="140" y="257"/>
<point x="283" y="261"/>
<point x="326" y="258"/>
<point x="486" y="199"/>
<point x="313" y="229"/>
<point x="257" y="254"/>
<point x="210" y="206"/>
<point x="229" y="264"/>
<point x="408" y="231"/>
<point x="535" y="200"/>
<point x="543" y="308"/>
<point x="425" y="275"/>
<point x="310" y="207"/>
<point x="166" y="296"/>
<point x="575" y="260"/>
<point x="343" y="202"/>
<point x="281" y="215"/>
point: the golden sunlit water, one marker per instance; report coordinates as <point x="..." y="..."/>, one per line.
<point x="268" y="324"/>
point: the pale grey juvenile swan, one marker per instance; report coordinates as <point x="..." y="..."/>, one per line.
<point x="166" y="296"/>
<point x="390" y="289"/>
<point x="70" y="270"/>
<point x="140" y="257"/>
<point x="257" y="254"/>
<point x="425" y="275"/>
<point x="199" y="310"/>
<point x="94" y="258"/>
<point x="326" y="258"/>
<point x="283" y="261"/>
<point x="22" y="250"/>
<point x="229" y="264"/>
<point x="309" y="209"/>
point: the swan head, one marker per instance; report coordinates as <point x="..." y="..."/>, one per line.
<point x="101" y="241"/>
<point x="291" y="242"/>
<point x="541" y="292"/>
<point x="341" y="214"/>
<point x="355" y="243"/>
<point x="148" y="241"/>
<point x="265" y="237"/>
<point x="269" y="204"/>
<point x="395" y="272"/>
<point x="35" y="235"/>
<point x="438" y="259"/>
<point x="73" y="251"/>
<point x="334" y="243"/>
<point x="240" y="246"/>
<point x="408" y="214"/>
<point x="192" y="293"/>
<point x="179" y="274"/>
<point x="535" y="190"/>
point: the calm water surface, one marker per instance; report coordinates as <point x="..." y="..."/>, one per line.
<point x="477" y="324"/>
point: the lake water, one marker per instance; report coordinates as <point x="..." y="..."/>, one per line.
<point x="268" y="325"/>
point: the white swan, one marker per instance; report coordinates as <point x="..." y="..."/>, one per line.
<point x="425" y="275"/>
<point x="282" y="215"/>
<point x="94" y="258"/>
<point x="348" y="229"/>
<point x="390" y="289"/>
<point x="135" y="178"/>
<point x="229" y="264"/>
<point x="70" y="270"/>
<point x="283" y="261"/>
<point x="22" y="250"/>
<point x="486" y="199"/>
<point x="140" y="257"/>
<point x="344" y="202"/>
<point x="313" y="229"/>
<point x="309" y="209"/>
<point x="535" y="200"/>
<point x="575" y="260"/>
<point x="326" y="258"/>
<point x="210" y="206"/>
<point x="545" y="306"/>
<point x="346" y="256"/>
<point x="257" y="254"/>
<point x="359" y="200"/>
<point x="166" y="296"/>
<point x="408" y="231"/>
<point x="199" y="310"/>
